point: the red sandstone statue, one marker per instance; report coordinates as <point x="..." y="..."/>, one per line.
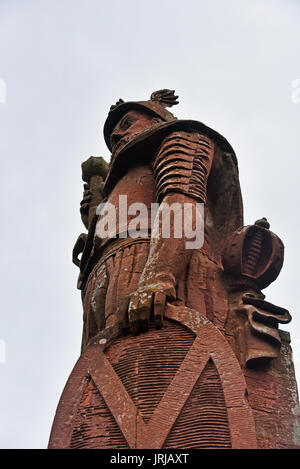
<point x="176" y="329"/>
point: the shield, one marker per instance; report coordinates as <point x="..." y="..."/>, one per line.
<point x="177" y="387"/>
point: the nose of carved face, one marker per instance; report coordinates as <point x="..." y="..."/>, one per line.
<point x="119" y="139"/>
<point x="115" y="138"/>
<point x="121" y="132"/>
<point x="132" y="124"/>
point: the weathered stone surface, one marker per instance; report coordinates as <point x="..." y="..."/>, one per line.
<point x="177" y="387"/>
<point x="180" y="348"/>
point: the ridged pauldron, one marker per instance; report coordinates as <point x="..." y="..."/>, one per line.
<point x="182" y="164"/>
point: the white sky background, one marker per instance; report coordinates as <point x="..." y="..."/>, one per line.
<point x="64" y="63"/>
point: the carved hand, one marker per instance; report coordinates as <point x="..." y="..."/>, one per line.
<point x="91" y="197"/>
<point x="148" y="302"/>
<point x="84" y="204"/>
<point x="94" y="171"/>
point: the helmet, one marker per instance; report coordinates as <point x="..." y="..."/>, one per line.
<point x="156" y="106"/>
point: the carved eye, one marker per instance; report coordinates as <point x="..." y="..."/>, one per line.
<point x="126" y="123"/>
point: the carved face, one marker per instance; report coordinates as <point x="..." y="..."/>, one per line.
<point x="132" y="123"/>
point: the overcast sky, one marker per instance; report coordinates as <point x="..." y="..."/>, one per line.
<point x="63" y="63"/>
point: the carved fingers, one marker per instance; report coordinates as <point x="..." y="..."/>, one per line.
<point x="91" y="196"/>
<point x="265" y="309"/>
<point x="159" y="308"/>
<point x="146" y="304"/>
<point x="87" y="197"/>
<point x="85" y="205"/>
<point x="139" y="311"/>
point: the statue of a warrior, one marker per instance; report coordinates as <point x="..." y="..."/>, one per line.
<point x="179" y="348"/>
